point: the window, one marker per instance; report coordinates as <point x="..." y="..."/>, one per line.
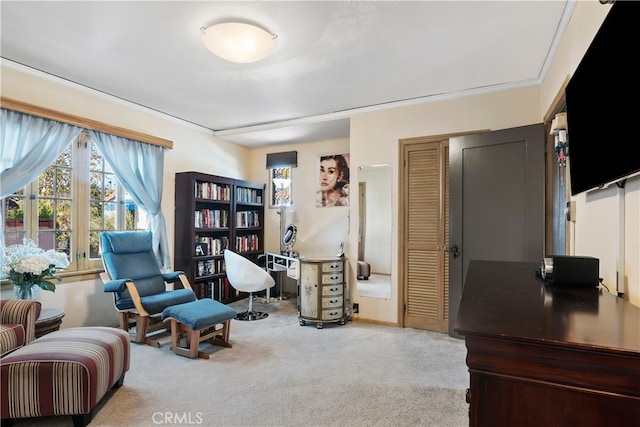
<point x="71" y="202"/>
<point x="281" y="187"/>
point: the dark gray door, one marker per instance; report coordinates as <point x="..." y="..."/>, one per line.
<point x="496" y="201"/>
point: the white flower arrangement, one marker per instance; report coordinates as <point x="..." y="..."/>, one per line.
<point x="27" y="265"/>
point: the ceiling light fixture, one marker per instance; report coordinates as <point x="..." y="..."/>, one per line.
<point x="238" y="42"/>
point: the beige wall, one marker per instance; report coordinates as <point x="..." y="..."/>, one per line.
<point x="595" y="232"/>
<point x="320" y="229"/>
<point x="374" y="139"/>
<point x="194" y="149"/>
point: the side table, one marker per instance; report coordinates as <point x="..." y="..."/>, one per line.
<point x="49" y="321"/>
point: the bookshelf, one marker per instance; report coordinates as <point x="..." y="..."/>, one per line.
<point x="213" y="213"/>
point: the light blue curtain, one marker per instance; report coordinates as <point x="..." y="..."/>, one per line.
<point x="28" y="145"/>
<point x="139" y="167"/>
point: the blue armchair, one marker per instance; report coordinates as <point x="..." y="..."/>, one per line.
<point x="139" y="288"/>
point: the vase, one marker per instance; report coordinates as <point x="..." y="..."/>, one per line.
<point x="26" y="292"/>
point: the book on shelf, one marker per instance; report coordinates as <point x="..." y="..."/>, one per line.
<point x="248" y="242"/>
<point x="246" y="219"/>
<point x="248" y="195"/>
<point x="211" y="218"/>
<point x="212" y="191"/>
<point x="204" y="268"/>
<point x="215" y="245"/>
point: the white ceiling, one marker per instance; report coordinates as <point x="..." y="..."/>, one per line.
<point x="334" y="58"/>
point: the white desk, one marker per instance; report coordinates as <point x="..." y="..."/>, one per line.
<point x="279" y="263"/>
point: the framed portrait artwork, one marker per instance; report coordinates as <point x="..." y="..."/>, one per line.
<point x="333" y="180"/>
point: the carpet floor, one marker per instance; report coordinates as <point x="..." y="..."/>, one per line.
<point x="279" y="373"/>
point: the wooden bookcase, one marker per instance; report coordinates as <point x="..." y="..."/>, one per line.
<point x="214" y="213"/>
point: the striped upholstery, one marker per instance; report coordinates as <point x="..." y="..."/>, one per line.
<point x="17" y="323"/>
<point x="11" y="337"/>
<point x="65" y="372"/>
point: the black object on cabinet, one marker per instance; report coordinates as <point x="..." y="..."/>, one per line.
<point x="213" y="213"/>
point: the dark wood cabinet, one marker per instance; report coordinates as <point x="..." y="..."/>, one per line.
<point x="547" y="356"/>
<point x="213" y="213"/>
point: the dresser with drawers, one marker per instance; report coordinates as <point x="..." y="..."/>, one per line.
<point x="321" y="291"/>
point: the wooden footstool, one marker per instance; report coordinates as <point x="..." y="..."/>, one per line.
<point x="196" y="322"/>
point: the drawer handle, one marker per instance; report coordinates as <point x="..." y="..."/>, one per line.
<point x="333" y="301"/>
<point x="334" y="277"/>
<point x="333" y="289"/>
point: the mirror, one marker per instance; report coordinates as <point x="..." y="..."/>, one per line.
<point x="374" y="231"/>
<point x="289" y="239"/>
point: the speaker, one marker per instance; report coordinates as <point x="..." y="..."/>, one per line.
<point x="565" y="270"/>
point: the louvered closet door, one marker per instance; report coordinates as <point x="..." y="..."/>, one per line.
<point x="426" y="228"/>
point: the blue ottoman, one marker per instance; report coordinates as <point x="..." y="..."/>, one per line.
<point x="196" y="322"/>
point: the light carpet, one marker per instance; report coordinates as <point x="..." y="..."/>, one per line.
<point x="279" y="373"/>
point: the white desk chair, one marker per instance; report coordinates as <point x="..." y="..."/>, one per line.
<point x="245" y="276"/>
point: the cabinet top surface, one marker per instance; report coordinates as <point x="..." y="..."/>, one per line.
<point x="320" y="258"/>
<point x="506" y="299"/>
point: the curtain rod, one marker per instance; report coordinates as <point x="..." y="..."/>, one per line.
<point x="47" y="113"/>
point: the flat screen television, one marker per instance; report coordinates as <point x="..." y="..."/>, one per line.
<point x="602" y="103"/>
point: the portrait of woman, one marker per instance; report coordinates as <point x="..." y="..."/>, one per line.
<point x="333" y="181"/>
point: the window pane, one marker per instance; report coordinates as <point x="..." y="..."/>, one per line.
<point x="103" y="194"/>
<point x="281" y="187"/>
<point x="63" y="182"/>
<point x="63" y="242"/>
<point x="13" y="214"/>
<point x="54" y="204"/>
<point x="135" y="218"/>
<point x="94" y="244"/>
<point x="63" y="216"/>
<point x="64" y="160"/>
<point x="46" y="229"/>
<point x="96" y="216"/>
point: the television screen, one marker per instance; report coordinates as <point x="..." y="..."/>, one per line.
<point x="601" y="103"/>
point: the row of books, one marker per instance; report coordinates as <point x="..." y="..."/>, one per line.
<point x="210" y="267"/>
<point x="247" y="243"/>
<point x="218" y="289"/>
<point x="247" y="219"/>
<point x="248" y="195"/>
<point x="209" y="246"/>
<point x="211" y="218"/>
<point x="212" y="191"/>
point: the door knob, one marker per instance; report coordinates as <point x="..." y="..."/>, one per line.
<point x="454" y="251"/>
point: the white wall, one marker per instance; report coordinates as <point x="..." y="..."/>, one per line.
<point x="595" y="232"/>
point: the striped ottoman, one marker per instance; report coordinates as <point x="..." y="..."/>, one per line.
<point x="66" y="372"/>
